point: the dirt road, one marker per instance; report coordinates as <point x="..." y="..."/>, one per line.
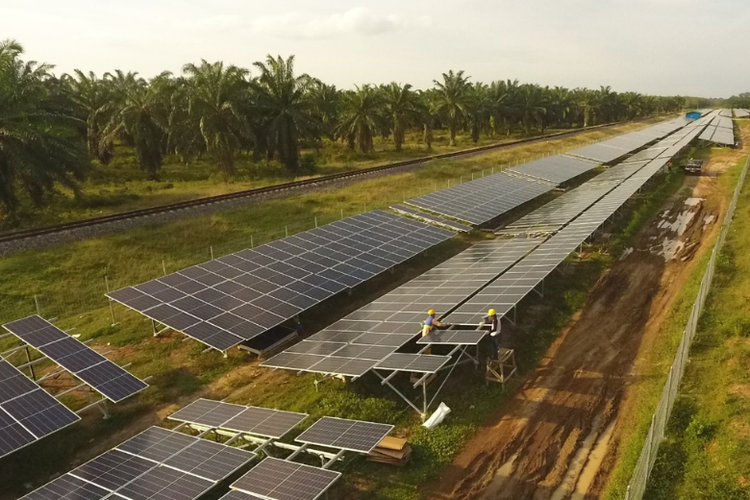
<point x="550" y="440"/>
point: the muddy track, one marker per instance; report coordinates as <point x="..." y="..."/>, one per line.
<point x="542" y="444"/>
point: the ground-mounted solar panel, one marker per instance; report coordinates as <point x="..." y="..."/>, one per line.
<point x="482" y="200"/>
<point x="265" y="422"/>
<point x="157" y="444"/>
<point x="210" y="461"/>
<point x="277" y="479"/>
<point x="239" y="495"/>
<point x="164" y="483"/>
<point x="453" y="337"/>
<point x="600" y="152"/>
<point x="112" y="381"/>
<point x="557" y="169"/>
<point x="113" y="469"/>
<point x="345" y="434"/>
<point x="67" y="487"/>
<point x="235" y="298"/>
<point x="434" y="219"/>
<point x="422" y="363"/>
<point x="13" y="436"/>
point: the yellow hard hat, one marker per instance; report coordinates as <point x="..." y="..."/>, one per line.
<point x="491" y="312"/>
<point x="431" y="312"/>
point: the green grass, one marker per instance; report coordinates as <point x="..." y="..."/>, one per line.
<point x="706" y="453"/>
<point x="653" y="367"/>
<point x="122" y="186"/>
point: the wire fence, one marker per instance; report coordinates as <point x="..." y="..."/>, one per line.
<point x="637" y="486"/>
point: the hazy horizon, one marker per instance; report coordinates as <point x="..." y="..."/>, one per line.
<point x="661" y="47"/>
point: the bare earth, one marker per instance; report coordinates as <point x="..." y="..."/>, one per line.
<point x="557" y="437"/>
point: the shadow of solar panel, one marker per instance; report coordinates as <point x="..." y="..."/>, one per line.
<point x="39" y="412"/>
<point x="211" y="461"/>
<point x="67" y="487"/>
<point x="164" y="483"/>
<point x="157" y="444"/>
<point x="113" y="469"/>
<point x="351" y="435"/>
<point x="281" y="480"/>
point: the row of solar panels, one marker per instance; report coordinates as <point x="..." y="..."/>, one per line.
<point x="161" y="464"/>
<point x="233" y="299"/>
<point x="393" y="320"/>
<point x="29" y="413"/>
<point x="720" y="130"/>
<point x="481" y="200"/>
<point x="742" y="113"/>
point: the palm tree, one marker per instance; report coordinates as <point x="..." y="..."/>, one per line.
<point x="361" y="117"/>
<point x="216" y="99"/>
<point x="39" y="141"/>
<point x="451" y="100"/>
<point x="284" y="103"/>
<point x="588" y="101"/>
<point x="326" y="101"/>
<point x="403" y="106"/>
<point x="531" y="105"/>
<point x="141" y="120"/>
<point x="477" y="109"/>
<point x="94" y="99"/>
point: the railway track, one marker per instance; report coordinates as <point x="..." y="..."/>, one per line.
<point x="278" y="189"/>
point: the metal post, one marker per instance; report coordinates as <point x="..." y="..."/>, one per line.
<point x="316" y="222"/>
<point x="164" y="267"/>
<point x="286" y="231"/>
<point x="36" y="302"/>
<point x="111" y="306"/>
<point x="472" y="176"/>
<point x="424" y="396"/>
<point x="342" y="213"/>
<point x="211" y="250"/>
<point x="31" y="366"/>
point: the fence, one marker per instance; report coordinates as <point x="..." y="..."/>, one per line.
<point x="637" y="486"/>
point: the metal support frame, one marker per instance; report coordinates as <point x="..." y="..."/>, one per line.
<point x="461" y="349"/>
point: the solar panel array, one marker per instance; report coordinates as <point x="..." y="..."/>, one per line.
<point x="504" y="293"/>
<point x="112" y="381"/>
<point x="345" y="434"/>
<point x="720" y="130"/>
<point x="556" y="169"/>
<point x="357" y="343"/>
<point x="482" y="200"/>
<point x="227" y="301"/>
<point x="27" y="412"/>
<point x="157" y="464"/>
<point x="434" y="219"/>
<point x="277" y="479"/>
<point x="238" y="418"/>
<point x="742" y="113"/>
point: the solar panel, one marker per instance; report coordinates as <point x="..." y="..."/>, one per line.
<point x="248" y="419"/>
<point x="557" y="169"/>
<point x="113" y="469"/>
<point x="453" y="337"/>
<point x="227" y="301"/>
<point x="281" y="480"/>
<point x="211" y="461"/>
<point x="427" y="217"/>
<point x="157" y="444"/>
<point x="350" y="435"/>
<point x="164" y="483"/>
<point x="97" y="371"/>
<point x="67" y="487"/>
<point x="482" y="200"/>
<point x="239" y="495"/>
<point x="422" y="363"/>
<point x="39" y="413"/>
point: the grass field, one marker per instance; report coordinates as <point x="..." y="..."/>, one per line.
<point x="68" y="283"/>
<point x="706" y="450"/>
<point x="653" y="366"/>
<point x="122" y="186"/>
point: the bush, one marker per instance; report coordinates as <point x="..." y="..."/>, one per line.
<point x="308" y="164"/>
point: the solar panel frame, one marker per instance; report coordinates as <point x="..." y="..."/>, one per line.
<point x="345" y="434"/>
<point x="278" y="479"/>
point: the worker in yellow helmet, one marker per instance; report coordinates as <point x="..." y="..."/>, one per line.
<point x="431" y="323"/>
<point x="492" y="323"/>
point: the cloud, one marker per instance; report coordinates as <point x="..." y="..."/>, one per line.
<point x="355" y="21"/>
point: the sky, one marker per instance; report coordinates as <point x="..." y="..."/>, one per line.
<point x="659" y="47"/>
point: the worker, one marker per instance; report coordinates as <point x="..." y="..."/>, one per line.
<point x="431" y="323"/>
<point x="492" y="323"/>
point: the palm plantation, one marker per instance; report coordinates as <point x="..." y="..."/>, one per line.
<point x="52" y="131"/>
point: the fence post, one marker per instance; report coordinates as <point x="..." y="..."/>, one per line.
<point x="211" y="249"/>
<point x="111" y="307"/>
<point x="316" y="222"/>
<point x="36" y="303"/>
<point x="286" y="230"/>
<point x="164" y="267"/>
<point x="252" y="245"/>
